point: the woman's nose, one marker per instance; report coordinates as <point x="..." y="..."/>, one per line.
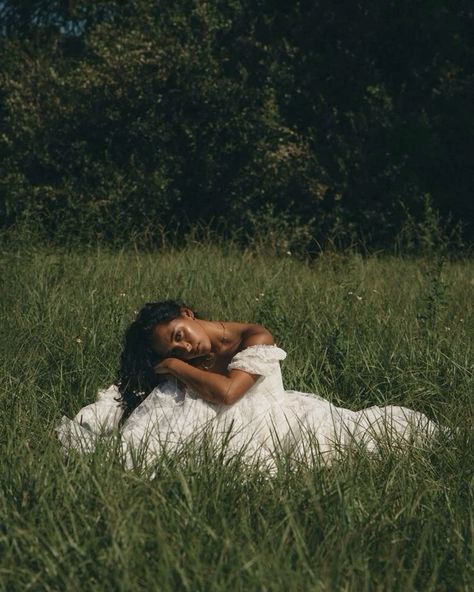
<point x="185" y="346"/>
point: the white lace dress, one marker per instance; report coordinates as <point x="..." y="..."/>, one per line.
<point x="266" y="422"/>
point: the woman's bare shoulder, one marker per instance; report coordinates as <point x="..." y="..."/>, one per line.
<point x="253" y="334"/>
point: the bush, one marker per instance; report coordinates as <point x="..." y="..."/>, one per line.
<point x="120" y="119"/>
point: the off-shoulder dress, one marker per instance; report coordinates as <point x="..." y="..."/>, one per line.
<point x="266" y="422"/>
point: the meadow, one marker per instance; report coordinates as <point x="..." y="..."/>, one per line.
<point x="358" y="330"/>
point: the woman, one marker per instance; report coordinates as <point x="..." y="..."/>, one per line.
<point x="168" y="338"/>
<point x="182" y="376"/>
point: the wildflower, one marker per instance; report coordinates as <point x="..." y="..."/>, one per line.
<point x="78" y="340"/>
<point x="122" y="294"/>
<point x="288" y="253"/>
<point x="359" y="298"/>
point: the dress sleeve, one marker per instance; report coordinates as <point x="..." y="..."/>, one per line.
<point x="257" y="359"/>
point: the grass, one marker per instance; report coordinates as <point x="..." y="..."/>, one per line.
<point x="357" y="331"/>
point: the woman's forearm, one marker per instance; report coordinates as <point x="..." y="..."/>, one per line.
<point x="211" y="387"/>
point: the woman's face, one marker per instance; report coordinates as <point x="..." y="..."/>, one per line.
<point x="183" y="337"/>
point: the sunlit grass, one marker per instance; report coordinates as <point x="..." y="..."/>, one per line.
<point x="357" y="331"/>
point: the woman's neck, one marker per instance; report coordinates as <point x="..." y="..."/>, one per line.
<point x="224" y="338"/>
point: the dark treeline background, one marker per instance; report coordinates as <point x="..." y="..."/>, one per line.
<point x="323" y="122"/>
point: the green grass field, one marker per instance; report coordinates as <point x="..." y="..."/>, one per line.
<point x="357" y="331"/>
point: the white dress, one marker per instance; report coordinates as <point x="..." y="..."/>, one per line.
<point x="266" y="422"/>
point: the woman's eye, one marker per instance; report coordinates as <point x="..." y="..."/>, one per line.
<point x="178" y="336"/>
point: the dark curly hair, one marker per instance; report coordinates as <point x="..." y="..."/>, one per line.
<point x="136" y="377"/>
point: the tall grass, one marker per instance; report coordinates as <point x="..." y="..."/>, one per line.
<point x="357" y="331"/>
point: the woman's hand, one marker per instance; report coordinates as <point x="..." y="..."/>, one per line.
<point x="163" y="367"/>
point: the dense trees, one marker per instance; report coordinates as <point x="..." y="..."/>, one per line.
<point x="330" y="121"/>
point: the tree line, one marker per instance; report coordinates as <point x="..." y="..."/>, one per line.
<point x="325" y="122"/>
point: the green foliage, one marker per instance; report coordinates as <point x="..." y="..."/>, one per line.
<point x="270" y="313"/>
<point x="120" y="118"/>
<point x="435" y="297"/>
<point x="427" y="235"/>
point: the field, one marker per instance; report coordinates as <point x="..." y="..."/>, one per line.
<point x="359" y="331"/>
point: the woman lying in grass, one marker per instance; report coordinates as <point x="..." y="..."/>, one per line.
<point x="169" y="338"/>
<point x="181" y="376"/>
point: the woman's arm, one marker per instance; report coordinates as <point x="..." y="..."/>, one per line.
<point x="218" y="388"/>
<point x="211" y="387"/>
